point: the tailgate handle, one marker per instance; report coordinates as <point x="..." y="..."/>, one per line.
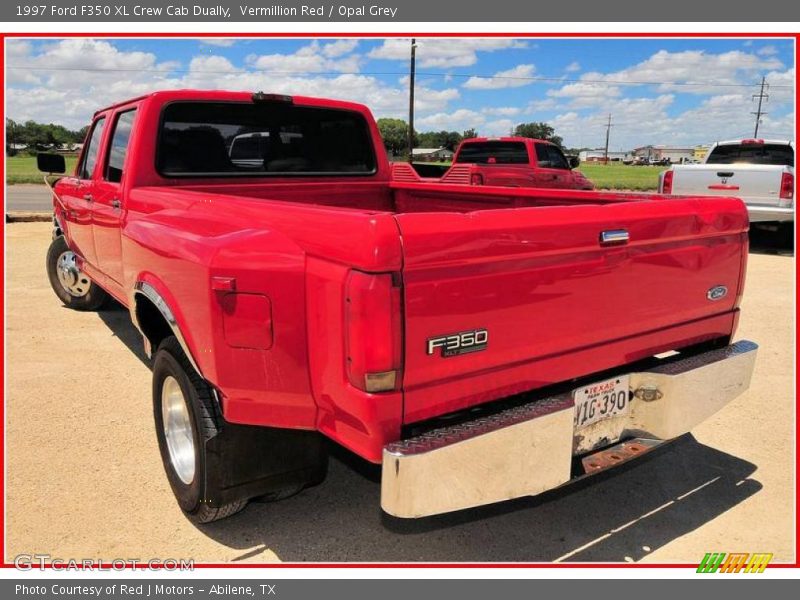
<point x="725" y="174"/>
<point x="614" y="237"/>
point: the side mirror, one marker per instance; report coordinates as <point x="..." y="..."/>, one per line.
<point x="51" y="163"/>
<point x="574" y="161"/>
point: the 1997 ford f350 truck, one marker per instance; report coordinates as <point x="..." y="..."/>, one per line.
<point x="481" y="343"/>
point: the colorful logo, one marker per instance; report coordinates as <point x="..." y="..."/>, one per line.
<point x="735" y="562"/>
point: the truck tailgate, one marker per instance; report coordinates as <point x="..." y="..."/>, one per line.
<point x="756" y="184"/>
<point x="553" y="301"/>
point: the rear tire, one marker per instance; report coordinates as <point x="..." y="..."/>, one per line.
<point x="71" y="285"/>
<point x="215" y="467"/>
<point x="202" y="421"/>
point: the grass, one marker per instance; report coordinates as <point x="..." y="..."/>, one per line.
<point x="622" y="177"/>
<point x="613" y="176"/>
<point x="22" y="169"/>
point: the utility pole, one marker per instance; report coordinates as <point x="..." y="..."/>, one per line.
<point x="411" y="99"/>
<point x="761" y="97"/>
<point x="608" y="134"/>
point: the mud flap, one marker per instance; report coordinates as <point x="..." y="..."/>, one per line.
<point x="244" y="461"/>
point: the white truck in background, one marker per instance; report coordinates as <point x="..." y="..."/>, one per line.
<point x="759" y="171"/>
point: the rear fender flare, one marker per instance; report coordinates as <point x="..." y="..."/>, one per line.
<point x="144" y="289"/>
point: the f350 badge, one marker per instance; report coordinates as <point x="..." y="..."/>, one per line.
<point x="463" y="342"/>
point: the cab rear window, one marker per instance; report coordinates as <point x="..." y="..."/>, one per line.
<point x="505" y="153"/>
<point x="262" y="139"/>
<point x="762" y="154"/>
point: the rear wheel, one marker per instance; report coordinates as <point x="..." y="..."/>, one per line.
<point x="215" y="467"/>
<point x="71" y="285"/>
<point x="186" y="417"/>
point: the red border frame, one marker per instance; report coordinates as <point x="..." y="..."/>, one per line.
<point x="290" y="35"/>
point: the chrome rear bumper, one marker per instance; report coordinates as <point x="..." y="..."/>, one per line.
<point x="758" y="213"/>
<point x="529" y="449"/>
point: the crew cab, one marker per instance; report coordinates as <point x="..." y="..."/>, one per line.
<point x="759" y="171"/>
<point x="480" y="343"/>
<point x="505" y="161"/>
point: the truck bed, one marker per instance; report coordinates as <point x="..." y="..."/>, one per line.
<point x="527" y="265"/>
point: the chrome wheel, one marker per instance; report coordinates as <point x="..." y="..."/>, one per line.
<point x="178" y="429"/>
<point x="71" y="278"/>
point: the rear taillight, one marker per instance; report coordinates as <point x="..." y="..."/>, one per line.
<point x="666" y="182"/>
<point x="476" y="179"/>
<point x="787" y="186"/>
<point x="373" y="316"/>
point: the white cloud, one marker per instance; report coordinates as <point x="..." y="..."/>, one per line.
<point x="70" y="97"/>
<point x="433" y="52"/>
<point x="457" y="120"/>
<point x="220" y="42"/>
<point x="313" y="58"/>
<point x="502" y="111"/>
<point x="573" y="67"/>
<point x="339" y="48"/>
<point x="668" y="70"/>
<point x="516" y="77"/>
<point x="767" y="51"/>
<point x="500" y="127"/>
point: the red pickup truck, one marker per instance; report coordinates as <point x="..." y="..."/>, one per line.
<point x="481" y="343"/>
<point x="506" y="161"/>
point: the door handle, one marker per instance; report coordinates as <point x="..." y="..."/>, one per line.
<point x="115" y="203"/>
<point x="88" y="197"/>
<point x="614" y="237"/>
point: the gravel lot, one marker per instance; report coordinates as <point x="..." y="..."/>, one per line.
<point x="84" y="477"/>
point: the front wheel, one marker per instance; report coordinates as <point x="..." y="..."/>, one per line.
<point x="71" y="285"/>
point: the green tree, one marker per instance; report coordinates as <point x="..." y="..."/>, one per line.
<point x="469" y="133"/>
<point x="395" y="135"/>
<point x="539" y="131"/>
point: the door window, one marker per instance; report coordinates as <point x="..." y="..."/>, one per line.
<point x="557" y="158"/>
<point x="549" y="156"/>
<point x="119" y="146"/>
<point x="92" y="150"/>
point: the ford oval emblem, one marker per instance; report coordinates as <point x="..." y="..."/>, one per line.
<point x="717" y="292"/>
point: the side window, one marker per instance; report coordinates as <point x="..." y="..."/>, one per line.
<point x="543" y="156"/>
<point x="557" y="158"/>
<point x="119" y="146"/>
<point x="92" y="150"/>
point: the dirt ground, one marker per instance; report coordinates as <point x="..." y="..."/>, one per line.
<point x="84" y="477"/>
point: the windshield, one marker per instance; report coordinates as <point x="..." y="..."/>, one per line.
<point x="227" y="138"/>
<point x="764" y="154"/>
<point x="506" y="153"/>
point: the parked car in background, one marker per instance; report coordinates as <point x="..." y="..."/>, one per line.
<point x="759" y="171"/>
<point x="481" y="343"/>
<point x="507" y="162"/>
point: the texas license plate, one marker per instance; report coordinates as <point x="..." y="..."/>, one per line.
<point x="601" y="400"/>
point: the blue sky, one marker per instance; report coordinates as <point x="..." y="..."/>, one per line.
<point x="682" y="91"/>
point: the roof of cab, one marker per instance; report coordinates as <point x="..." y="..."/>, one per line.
<point x="232" y="96"/>
<point x="504" y="139"/>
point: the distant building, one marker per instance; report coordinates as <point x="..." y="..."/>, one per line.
<point x="700" y="152"/>
<point x="432" y="154"/>
<point x="672" y="153"/>
<point x="589" y="156"/>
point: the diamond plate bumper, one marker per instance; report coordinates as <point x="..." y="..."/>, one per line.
<point x="529" y="449"/>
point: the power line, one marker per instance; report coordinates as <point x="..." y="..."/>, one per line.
<point x="543" y="79"/>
